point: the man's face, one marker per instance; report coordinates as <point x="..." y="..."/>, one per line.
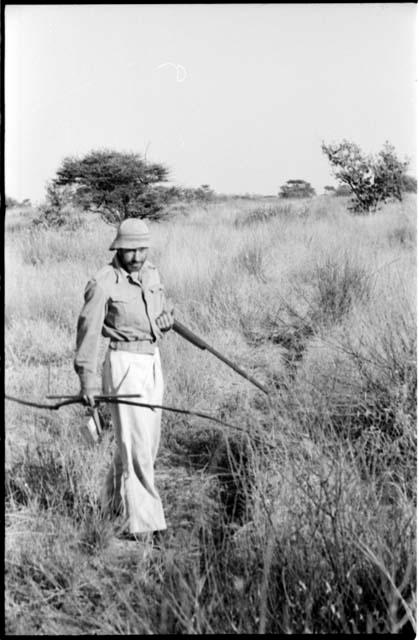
<point x="132" y="259"/>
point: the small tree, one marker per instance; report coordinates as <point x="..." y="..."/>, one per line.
<point x="296" y="189"/>
<point x="370" y="179"/>
<point x="117" y="185"/>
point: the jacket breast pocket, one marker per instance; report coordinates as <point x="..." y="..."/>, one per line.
<point x="122" y="308"/>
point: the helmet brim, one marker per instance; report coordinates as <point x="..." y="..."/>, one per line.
<point x="129" y="244"/>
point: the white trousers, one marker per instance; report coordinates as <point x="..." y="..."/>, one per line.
<point x="129" y="488"/>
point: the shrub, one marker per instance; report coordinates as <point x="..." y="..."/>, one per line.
<point x="296" y="189"/>
<point x="67" y="217"/>
<point x="200" y="194"/>
<point x="409" y="184"/>
<point x="362" y="383"/>
<point x="371" y="180"/>
<point x="333" y="287"/>
<point x="11" y="202"/>
<point x="339" y="284"/>
<point x="343" y="190"/>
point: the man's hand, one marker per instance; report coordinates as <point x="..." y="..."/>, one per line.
<point x="165" y="320"/>
<point x="88" y="399"/>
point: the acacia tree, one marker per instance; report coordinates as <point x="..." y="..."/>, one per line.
<point x="296" y="189"/>
<point x="117" y="185"/>
<point x="371" y="180"/>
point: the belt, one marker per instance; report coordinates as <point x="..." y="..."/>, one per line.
<point x="136" y="346"/>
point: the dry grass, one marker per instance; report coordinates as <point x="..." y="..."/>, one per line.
<point x="310" y="527"/>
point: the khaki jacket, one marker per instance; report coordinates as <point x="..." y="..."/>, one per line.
<point x="121" y="308"/>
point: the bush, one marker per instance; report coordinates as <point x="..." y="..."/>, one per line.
<point x="340" y="283"/>
<point x="371" y="180"/>
<point x="200" y="194"/>
<point x="11" y="202"/>
<point x="67" y="217"/>
<point x="343" y="190"/>
<point x="296" y="189"/>
<point x="409" y="184"/>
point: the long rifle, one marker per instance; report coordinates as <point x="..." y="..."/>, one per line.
<point x="191" y="337"/>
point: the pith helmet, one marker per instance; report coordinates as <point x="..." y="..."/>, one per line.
<point x="132" y="234"/>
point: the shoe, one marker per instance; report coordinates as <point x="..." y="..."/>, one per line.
<point x="158" y="539"/>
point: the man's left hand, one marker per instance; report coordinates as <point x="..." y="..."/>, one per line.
<point x="165" y="320"/>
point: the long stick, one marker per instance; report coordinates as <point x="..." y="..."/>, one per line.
<point x="105" y="397"/>
<point x="120" y="400"/>
<point x="112" y="399"/>
<point x="187" y="334"/>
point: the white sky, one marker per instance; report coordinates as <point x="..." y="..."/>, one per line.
<point x="257" y="89"/>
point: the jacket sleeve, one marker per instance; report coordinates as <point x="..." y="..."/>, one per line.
<point x="89" y="329"/>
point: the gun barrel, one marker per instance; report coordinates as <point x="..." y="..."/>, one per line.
<point x="187" y="334"/>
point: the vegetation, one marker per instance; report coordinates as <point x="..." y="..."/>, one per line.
<point x="117" y="185"/>
<point x="113" y="185"/>
<point x="371" y="180"/>
<point x="409" y="184"/>
<point x="340" y="190"/>
<point x="204" y="193"/>
<point x="297" y="189"/>
<point x="343" y="190"/>
<point x="11" y="202"/>
<point x="302" y="520"/>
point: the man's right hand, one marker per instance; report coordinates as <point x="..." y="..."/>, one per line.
<point x="88" y="399"/>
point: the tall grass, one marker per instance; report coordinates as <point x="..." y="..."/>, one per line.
<point x="303" y="519"/>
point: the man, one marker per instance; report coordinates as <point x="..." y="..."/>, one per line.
<point x="125" y="302"/>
